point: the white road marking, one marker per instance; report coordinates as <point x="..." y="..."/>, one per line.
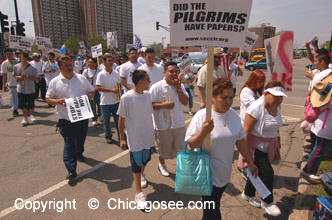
<point x="63" y="183"/>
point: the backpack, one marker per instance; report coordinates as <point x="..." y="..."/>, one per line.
<point x="323" y="209"/>
<point x="311" y="113"/>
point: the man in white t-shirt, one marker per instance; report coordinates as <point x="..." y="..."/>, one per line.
<point x="155" y="71"/>
<point x="69" y="85"/>
<point x="168" y="98"/>
<point x="7" y="69"/>
<point x="38" y="65"/>
<point x="108" y="84"/>
<point x="135" y="113"/>
<point x="218" y="72"/>
<point x="142" y="58"/>
<point x="128" y="68"/>
<point x="78" y="65"/>
<point x="50" y="68"/>
<point x="321" y="127"/>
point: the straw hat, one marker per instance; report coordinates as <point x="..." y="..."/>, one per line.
<point x="321" y="92"/>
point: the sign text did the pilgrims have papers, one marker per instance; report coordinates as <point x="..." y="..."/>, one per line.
<point x="209" y="23"/>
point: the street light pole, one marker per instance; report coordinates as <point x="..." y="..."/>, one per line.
<point x="16" y="12"/>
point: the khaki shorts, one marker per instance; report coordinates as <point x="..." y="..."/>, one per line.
<point x="170" y="141"/>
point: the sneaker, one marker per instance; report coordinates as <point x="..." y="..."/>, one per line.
<point x="191" y="114"/>
<point x="140" y="200"/>
<point x="310" y="177"/>
<point x="81" y="158"/>
<point x="94" y="123"/>
<point x="24" y="121"/>
<point x="71" y="178"/>
<point x="163" y="169"/>
<point x="253" y="201"/>
<point x="109" y="140"/>
<point x="144" y="182"/>
<point x="15" y="113"/>
<point x="32" y="118"/>
<point x="271" y="209"/>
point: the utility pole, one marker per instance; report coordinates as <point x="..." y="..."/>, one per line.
<point x="16" y="12"/>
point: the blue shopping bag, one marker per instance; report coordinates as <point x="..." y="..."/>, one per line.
<point x="193" y="172"/>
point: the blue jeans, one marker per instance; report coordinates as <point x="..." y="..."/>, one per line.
<point x="107" y="111"/>
<point x="322" y="147"/>
<point x="13" y="97"/>
<point x="95" y="106"/>
<point x="190" y="98"/>
<point x="74" y="135"/>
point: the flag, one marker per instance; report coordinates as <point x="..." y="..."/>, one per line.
<point x="314" y="43"/>
<point x="137" y="43"/>
<point x="63" y="48"/>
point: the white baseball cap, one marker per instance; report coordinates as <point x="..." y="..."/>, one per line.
<point x="276" y="91"/>
<point x="36" y="55"/>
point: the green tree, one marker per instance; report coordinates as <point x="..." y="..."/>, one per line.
<point x="326" y="45"/>
<point x="156" y="47"/>
<point x="72" y="44"/>
<point x="34" y="48"/>
<point x="94" y="40"/>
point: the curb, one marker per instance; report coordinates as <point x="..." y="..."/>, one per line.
<point x="301" y="210"/>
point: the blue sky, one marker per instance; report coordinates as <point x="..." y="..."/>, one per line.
<point x="306" y="18"/>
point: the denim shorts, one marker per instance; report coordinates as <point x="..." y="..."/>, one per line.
<point x="138" y="159"/>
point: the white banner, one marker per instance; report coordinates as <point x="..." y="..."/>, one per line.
<point x="282" y="67"/>
<point x="249" y="40"/>
<point x="97" y="50"/>
<point x="44" y="43"/>
<point x="185" y="65"/>
<point x="20" y="42"/>
<point x="57" y="52"/>
<point x="82" y="44"/>
<point x="79" y="108"/>
<point x="209" y="23"/>
<point x="271" y="48"/>
<point x="175" y="53"/>
<point x="112" y="40"/>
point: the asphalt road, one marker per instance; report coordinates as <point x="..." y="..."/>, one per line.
<point x="32" y="168"/>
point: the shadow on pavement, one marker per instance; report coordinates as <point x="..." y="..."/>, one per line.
<point x="116" y="178"/>
<point x="163" y="192"/>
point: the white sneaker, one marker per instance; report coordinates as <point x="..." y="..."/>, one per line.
<point x="311" y="177"/>
<point x="25" y="121"/>
<point x="144" y="182"/>
<point x="253" y="201"/>
<point x="140" y="200"/>
<point x="94" y="123"/>
<point x="271" y="209"/>
<point x="32" y="118"/>
<point x="163" y="169"/>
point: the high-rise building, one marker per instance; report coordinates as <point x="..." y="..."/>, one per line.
<point x="263" y="32"/>
<point x="100" y="17"/>
<point x="60" y="19"/>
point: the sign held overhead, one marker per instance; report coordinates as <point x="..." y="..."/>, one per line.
<point x="209" y="23"/>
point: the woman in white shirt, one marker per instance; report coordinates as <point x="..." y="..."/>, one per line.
<point x="226" y="131"/>
<point x="252" y="89"/>
<point x="91" y="74"/>
<point x="262" y="123"/>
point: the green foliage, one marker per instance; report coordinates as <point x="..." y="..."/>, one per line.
<point x="94" y="40"/>
<point x="72" y="44"/>
<point x="156" y="47"/>
<point x="34" y="49"/>
<point x="326" y="45"/>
